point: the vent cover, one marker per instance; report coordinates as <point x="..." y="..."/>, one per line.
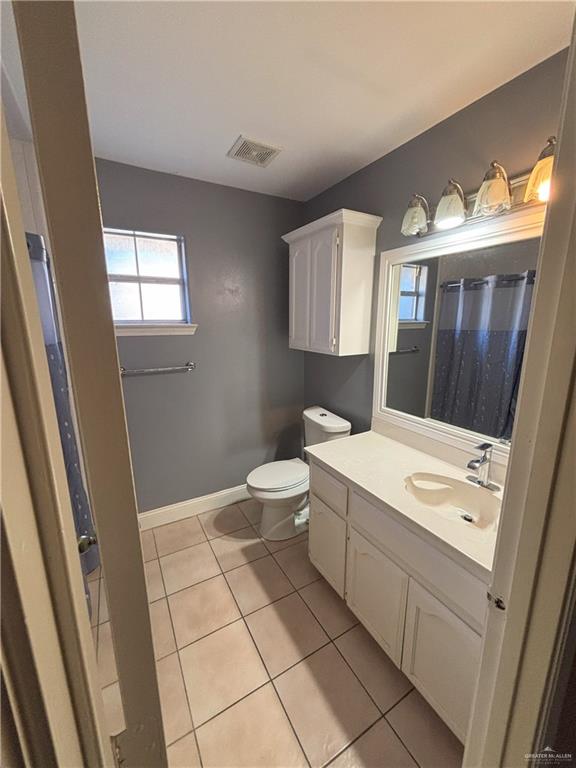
<point x="253" y="152"/>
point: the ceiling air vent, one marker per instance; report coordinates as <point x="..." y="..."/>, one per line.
<point x="253" y="152"/>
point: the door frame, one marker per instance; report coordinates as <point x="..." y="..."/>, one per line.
<point x="534" y="570"/>
<point x="38" y="526"/>
<point x="51" y="64"/>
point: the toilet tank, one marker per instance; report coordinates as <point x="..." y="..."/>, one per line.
<point x="320" y="426"/>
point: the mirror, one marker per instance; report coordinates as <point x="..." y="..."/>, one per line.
<point x="456" y="335"/>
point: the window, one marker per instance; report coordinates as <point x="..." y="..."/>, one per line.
<point x="412" y="293"/>
<point x="147" y="278"/>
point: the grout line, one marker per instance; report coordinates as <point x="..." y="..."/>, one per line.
<point x="400" y="738"/>
<point x="354" y="740"/>
<point x="398" y="702"/>
<point x="267" y="673"/>
<point x="181" y="673"/>
<point x="221" y="536"/>
<point x="222" y="573"/>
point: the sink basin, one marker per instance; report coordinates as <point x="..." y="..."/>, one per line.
<point x="456" y="499"/>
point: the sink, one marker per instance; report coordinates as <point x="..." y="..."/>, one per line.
<point x="455" y="499"/>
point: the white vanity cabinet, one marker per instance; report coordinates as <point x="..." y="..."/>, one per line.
<point x="327" y="543"/>
<point x="441" y="657"/>
<point x="376" y="590"/>
<point x="423" y="608"/>
<point x="331" y="277"/>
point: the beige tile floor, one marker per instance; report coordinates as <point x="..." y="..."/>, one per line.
<point x="260" y="663"/>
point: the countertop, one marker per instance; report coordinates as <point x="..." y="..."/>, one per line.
<point x="378" y="465"/>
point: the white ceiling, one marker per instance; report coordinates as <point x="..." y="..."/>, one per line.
<point x="171" y="85"/>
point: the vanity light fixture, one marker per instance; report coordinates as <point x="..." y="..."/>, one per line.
<point x="451" y="210"/>
<point x="539" y="182"/>
<point x="494" y="195"/>
<point x="415" y="221"/>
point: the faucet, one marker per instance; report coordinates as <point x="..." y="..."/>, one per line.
<point x="482" y="466"/>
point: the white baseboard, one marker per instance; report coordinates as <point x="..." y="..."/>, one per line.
<point x="191" y="507"/>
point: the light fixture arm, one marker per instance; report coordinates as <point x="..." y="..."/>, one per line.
<point x="549" y="149"/>
<point x="452" y="187"/>
<point x="416" y="198"/>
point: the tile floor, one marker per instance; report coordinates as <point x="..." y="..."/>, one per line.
<point x="260" y="663"/>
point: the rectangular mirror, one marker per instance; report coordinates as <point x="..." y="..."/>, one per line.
<point x="456" y="331"/>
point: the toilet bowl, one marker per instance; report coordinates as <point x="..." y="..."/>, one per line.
<point x="282" y="486"/>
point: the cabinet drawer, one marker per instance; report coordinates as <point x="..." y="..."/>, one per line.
<point x="326" y="487"/>
<point x="466" y="592"/>
<point x="376" y="591"/>
<point x="327" y="543"/>
<point x="440" y="657"/>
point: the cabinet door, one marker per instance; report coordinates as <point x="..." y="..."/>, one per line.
<point x="376" y="590"/>
<point x="327" y="543"/>
<point x="441" y="657"/>
<point x="300" y="273"/>
<point x="324" y="267"/>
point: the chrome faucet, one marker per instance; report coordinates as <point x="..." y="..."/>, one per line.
<point x="481" y="465"/>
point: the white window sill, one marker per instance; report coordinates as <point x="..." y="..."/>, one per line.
<point x="408" y="325"/>
<point x="181" y="329"/>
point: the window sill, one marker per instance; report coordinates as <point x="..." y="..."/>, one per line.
<point x="182" y="329"/>
<point x="404" y="325"/>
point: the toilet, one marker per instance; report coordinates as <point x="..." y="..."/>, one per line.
<point x="282" y="486"/>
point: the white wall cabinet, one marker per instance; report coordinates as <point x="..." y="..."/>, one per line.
<point x="331" y="278"/>
<point x="327" y="543"/>
<point x="376" y="591"/>
<point x="441" y="657"/>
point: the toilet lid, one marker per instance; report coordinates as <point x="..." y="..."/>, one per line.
<point x="278" y="475"/>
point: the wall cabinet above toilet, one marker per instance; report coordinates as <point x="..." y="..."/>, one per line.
<point x="331" y="277"/>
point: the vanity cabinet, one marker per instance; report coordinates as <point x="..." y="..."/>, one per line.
<point x="376" y="591"/>
<point x="327" y="543"/>
<point x="331" y="276"/>
<point x="441" y="657"/>
<point x="423" y="608"/>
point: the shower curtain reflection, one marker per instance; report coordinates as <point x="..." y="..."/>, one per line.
<point x="59" y="378"/>
<point x="480" y="344"/>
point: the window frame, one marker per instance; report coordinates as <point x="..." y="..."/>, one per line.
<point x="153" y="327"/>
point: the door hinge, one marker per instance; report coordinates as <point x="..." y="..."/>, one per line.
<point x="117" y="752"/>
<point x="333" y="342"/>
<point x="338" y="238"/>
<point x="497" y="600"/>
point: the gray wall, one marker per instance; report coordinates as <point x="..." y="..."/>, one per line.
<point x="510" y="124"/>
<point x="193" y="434"/>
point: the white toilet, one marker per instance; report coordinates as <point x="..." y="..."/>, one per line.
<point x="282" y="486"/>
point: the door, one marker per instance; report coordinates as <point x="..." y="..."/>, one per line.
<point x="327" y="543"/>
<point x="300" y="294"/>
<point x="533" y="571"/>
<point x="376" y="590"/>
<point x="441" y="657"/>
<point x="48" y="47"/>
<point x="324" y="266"/>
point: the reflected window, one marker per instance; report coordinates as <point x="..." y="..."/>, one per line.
<point x="147" y="278"/>
<point x="412" y="293"/>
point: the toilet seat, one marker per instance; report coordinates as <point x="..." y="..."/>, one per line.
<point x="279" y="475"/>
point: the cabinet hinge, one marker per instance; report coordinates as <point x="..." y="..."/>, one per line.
<point x="497" y="600"/>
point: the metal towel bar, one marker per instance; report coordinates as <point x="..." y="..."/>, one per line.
<point x="152" y="371"/>
<point x="405" y="351"/>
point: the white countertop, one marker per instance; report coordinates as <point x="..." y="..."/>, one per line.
<point x="378" y="465"/>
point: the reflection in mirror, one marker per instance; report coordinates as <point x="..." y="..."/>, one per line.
<point x="456" y="336"/>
